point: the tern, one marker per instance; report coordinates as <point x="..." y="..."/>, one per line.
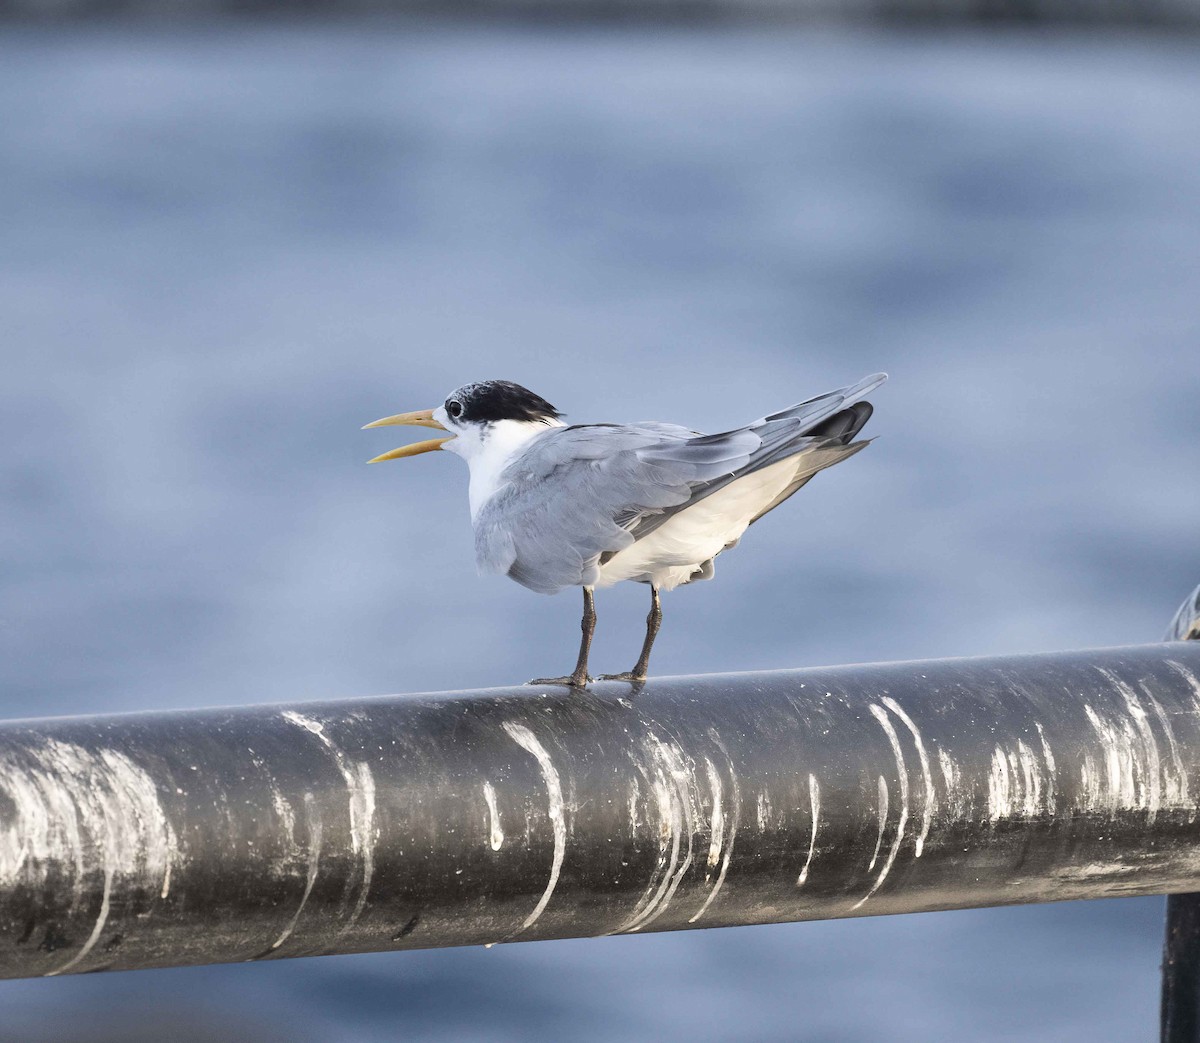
<point x="589" y="505"/>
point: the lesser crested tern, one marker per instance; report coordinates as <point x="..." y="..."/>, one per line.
<point x="589" y="505"/>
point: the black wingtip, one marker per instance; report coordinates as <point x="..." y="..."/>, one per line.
<point x="845" y="424"/>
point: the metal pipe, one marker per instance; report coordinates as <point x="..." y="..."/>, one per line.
<point x="467" y="818"/>
<point x="1181" y="970"/>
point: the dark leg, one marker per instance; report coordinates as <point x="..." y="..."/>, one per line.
<point x="653" y="622"/>
<point x="579" y="678"/>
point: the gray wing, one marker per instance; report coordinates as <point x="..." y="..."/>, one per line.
<point x="818" y="432"/>
<point x="575" y="493"/>
<point x="578" y="495"/>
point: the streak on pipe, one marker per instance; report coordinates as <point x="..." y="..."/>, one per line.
<point x="163" y="839"/>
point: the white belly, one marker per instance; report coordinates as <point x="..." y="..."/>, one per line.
<point x="673" y="551"/>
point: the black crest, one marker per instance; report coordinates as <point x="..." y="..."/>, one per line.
<point x="498" y="400"/>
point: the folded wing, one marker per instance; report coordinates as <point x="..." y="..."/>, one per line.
<point x="577" y="496"/>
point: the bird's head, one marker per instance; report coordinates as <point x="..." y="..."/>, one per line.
<point x="477" y="416"/>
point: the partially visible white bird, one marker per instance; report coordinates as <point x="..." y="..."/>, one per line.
<point x="592" y="504"/>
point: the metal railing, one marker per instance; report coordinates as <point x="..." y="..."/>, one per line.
<point x="159" y="839"/>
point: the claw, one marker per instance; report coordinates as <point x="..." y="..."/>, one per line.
<point x="569" y="682"/>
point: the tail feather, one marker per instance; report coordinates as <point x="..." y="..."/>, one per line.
<point x="839" y="432"/>
<point x="813" y="411"/>
<point x="812" y="464"/>
<point x="843" y="426"/>
<point x="818" y="434"/>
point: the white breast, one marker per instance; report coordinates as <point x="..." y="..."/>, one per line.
<point x="673" y="551"/>
<point x="489" y="450"/>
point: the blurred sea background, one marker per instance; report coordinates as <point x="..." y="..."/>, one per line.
<point x="227" y="243"/>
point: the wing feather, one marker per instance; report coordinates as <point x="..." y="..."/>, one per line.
<point x="818" y="432"/>
<point x="577" y="495"/>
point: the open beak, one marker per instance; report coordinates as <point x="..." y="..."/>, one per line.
<point x="421" y="418"/>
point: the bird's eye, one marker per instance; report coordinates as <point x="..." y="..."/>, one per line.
<point x="454" y="408"/>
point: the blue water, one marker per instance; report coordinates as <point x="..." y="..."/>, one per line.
<point x="223" y="250"/>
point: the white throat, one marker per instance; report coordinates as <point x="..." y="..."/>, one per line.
<point x="489" y="450"/>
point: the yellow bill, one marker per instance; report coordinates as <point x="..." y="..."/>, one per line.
<point x="419" y="418"/>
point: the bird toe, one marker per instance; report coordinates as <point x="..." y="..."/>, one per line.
<point x="567" y="682"/>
